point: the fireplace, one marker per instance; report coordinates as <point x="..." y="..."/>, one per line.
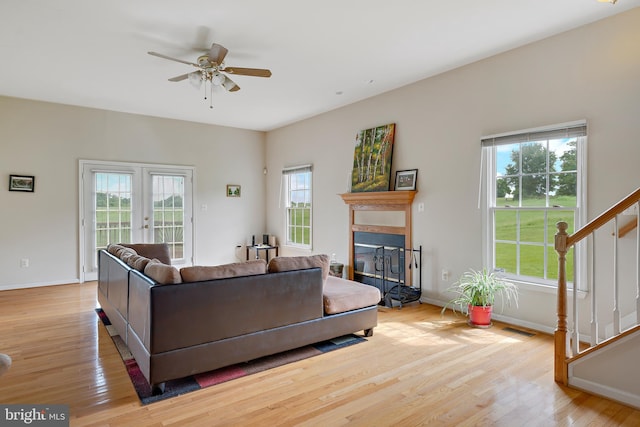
<point x="380" y="259"/>
<point x="381" y="252"/>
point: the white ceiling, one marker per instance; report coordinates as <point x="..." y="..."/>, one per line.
<point x="94" y="53"/>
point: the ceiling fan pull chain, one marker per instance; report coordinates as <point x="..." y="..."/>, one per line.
<point x="211" y="96"/>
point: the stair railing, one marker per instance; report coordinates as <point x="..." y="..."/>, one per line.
<point x="563" y="243"/>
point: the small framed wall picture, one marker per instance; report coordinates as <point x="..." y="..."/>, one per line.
<point x="22" y="183"/>
<point x="406" y="180"/>
<point x="233" y="190"/>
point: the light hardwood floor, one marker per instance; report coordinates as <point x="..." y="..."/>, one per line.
<point x="419" y="368"/>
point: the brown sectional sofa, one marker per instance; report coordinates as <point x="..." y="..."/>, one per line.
<point x="241" y="312"/>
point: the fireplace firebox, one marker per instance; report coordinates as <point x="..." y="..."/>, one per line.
<point x="379" y="260"/>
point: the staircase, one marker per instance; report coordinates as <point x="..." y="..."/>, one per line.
<point x="603" y="360"/>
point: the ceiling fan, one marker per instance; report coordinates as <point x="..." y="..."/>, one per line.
<point x="210" y="68"/>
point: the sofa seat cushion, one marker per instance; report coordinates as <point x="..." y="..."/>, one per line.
<point x="340" y="295"/>
<point x="284" y="263"/>
<point x="162" y="273"/>
<point x="159" y="251"/>
<point x="199" y="273"/>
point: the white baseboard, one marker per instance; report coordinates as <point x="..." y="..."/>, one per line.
<point x="511" y="320"/>
<point x="38" y="284"/>
<point x="606" y="391"/>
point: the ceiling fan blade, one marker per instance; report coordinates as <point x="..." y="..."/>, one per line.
<point x="255" y="72"/>
<point x="159" y="55"/>
<point x="179" y="78"/>
<point x="217" y="53"/>
<point x="230" y="85"/>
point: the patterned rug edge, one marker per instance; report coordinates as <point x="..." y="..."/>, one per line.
<point x="207" y="379"/>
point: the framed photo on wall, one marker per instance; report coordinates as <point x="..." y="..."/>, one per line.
<point x="406" y="180"/>
<point x="233" y="190"/>
<point x="22" y="183"/>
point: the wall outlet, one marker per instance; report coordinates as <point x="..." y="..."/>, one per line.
<point x="445" y="275"/>
<point x="24" y="262"/>
<point x="420" y="207"/>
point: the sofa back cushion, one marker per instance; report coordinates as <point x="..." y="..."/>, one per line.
<point x="162" y="273"/>
<point x="199" y="273"/>
<point x="278" y="264"/>
<point x="159" y="251"/>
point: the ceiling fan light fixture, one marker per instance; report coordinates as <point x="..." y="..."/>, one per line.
<point x="210" y="68"/>
<point x="217" y="79"/>
<point x="195" y="78"/>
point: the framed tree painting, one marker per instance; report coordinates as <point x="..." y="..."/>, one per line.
<point x="372" y="159"/>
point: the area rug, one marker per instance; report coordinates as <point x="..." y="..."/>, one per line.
<point x="196" y="382"/>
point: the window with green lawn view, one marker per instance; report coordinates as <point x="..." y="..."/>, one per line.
<point x="535" y="180"/>
<point x="297" y="182"/>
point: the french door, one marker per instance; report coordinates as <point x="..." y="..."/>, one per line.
<point x="134" y="203"/>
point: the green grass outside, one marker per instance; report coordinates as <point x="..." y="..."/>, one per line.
<point x="300" y="233"/>
<point x="532" y="228"/>
<point x="115" y="226"/>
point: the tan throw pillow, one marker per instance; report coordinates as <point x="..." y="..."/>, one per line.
<point x="138" y="262"/>
<point x="120" y="251"/>
<point x="162" y="273"/>
<point x="199" y="273"/>
<point x="113" y="248"/>
<point x="299" y="263"/>
<point x="126" y="254"/>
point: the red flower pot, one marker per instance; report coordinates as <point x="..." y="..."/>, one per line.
<point x="480" y="316"/>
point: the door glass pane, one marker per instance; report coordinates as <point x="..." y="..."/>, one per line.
<point x="168" y="212"/>
<point x="112" y="209"/>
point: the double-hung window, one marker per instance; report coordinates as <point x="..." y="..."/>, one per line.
<point x="535" y="178"/>
<point x="297" y="182"/>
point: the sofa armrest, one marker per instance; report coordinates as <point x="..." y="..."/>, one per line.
<point x="140" y="306"/>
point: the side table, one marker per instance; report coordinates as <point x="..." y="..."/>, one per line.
<point x="335" y="269"/>
<point x="265" y="248"/>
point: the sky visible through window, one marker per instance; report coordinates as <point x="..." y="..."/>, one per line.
<point x="503" y="153"/>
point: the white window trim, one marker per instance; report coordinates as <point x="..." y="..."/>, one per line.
<point x="85" y="165"/>
<point x="487" y="196"/>
<point x="285" y="185"/>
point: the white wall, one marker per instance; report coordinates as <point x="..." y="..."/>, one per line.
<point x="47" y="140"/>
<point x="589" y="73"/>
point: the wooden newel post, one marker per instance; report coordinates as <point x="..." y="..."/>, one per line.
<point x="561" y="343"/>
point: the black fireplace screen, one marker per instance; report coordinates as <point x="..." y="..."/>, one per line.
<point x="379" y="260"/>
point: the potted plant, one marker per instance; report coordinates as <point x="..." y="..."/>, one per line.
<point x="476" y="291"/>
